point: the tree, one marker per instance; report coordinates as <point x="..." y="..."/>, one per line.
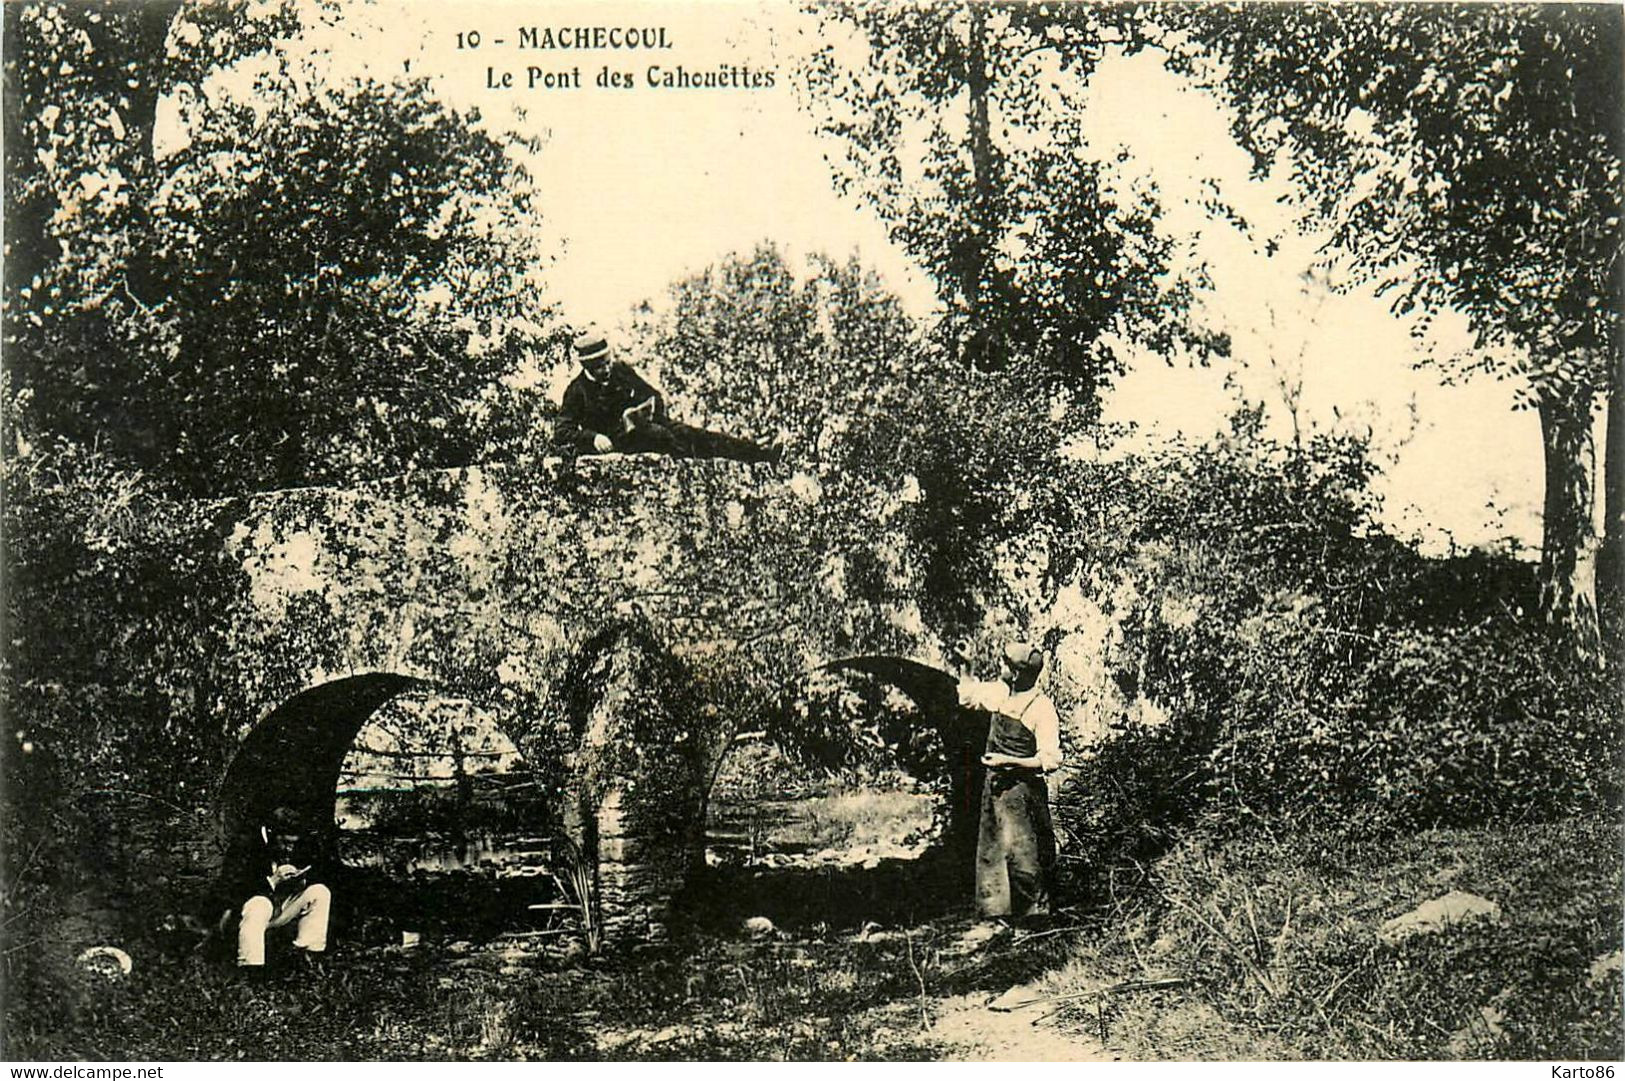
<point x="377" y="342"/>
<point x="322" y="282"/>
<point x="1462" y="158"/>
<point x="830" y="358"/>
<point x="961" y="128"/>
<point x="82" y="87"/>
<point x="83" y="82"/>
<point x="761" y="349"/>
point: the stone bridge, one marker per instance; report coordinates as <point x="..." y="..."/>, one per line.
<point x="622" y="616"/>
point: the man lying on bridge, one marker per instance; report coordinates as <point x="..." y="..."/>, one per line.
<point x="609" y="407"/>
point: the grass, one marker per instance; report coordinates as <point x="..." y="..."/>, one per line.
<point x="858" y="818"/>
<point x="829" y="817"/>
<point x="1272" y="939"/>
<point x="1279" y="936"/>
<point x="831" y="987"/>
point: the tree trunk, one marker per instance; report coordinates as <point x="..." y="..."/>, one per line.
<point x="131" y="45"/>
<point x="975" y="267"/>
<point x="464" y="788"/>
<point x="1611" y="560"/>
<point x="1569" y="541"/>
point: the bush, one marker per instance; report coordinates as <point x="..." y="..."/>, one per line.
<point x="1492" y="722"/>
<point x="1294" y="664"/>
<point x="108" y="670"/>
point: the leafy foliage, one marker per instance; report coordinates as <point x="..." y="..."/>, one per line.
<point x="758" y="348"/>
<point x="1427" y="727"/>
<point x="84" y="81"/>
<point x="869" y="403"/>
<point x="379" y="343"/>
<point x="1411" y="129"/>
<point x="961" y="127"/>
<point x="106" y="701"/>
<point x="157" y="324"/>
<point x="1413" y="133"/>
<point x="860" y="727"/>
<point x="1307" y="671"/>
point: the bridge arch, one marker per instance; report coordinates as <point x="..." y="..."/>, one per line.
<point x="646" y="751"/>
<point x="293" y="757"/>
<point x="953" y="736"/>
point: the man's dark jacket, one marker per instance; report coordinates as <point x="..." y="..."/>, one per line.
<point x="592" y="408"/>
<point x="249" y="861"/>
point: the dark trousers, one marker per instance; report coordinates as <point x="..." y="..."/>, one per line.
<point x="1015" y="845"/>
<point x="685" y="441"/>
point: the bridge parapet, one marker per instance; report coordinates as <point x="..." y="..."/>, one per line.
<point x="489" y="578"/>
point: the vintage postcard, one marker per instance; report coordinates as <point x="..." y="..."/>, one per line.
<point x="852" y="531"/>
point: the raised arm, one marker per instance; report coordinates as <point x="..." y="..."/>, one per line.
<point x="984" y="694"/>
<point x="1047" y="731"/>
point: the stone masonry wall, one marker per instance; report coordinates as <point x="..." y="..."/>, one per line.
<point x="488" y="579"/>
<point x="488" y="582"/>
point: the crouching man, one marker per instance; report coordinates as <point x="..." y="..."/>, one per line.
<point x="273" y="876"/>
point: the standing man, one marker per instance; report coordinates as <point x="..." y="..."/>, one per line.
<point x="274" y="874"/>
<point x="1015" y="846"/>
<point x="609" y="407"/>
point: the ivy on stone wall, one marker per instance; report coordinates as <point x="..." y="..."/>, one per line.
<point x="149" y="635"/>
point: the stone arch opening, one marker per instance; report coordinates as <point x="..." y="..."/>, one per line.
<point x="961" y="735"/>
<point x="294" y="755"/>
<point x="641" y="745"/>
<point x="435" y="782"/>
<point x="850" y="851"/>
<point x="478" y="872"/>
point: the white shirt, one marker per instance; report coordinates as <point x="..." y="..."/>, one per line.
<point x="1031" y="707"/>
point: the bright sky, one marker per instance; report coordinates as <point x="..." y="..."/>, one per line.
<point x="643" y="186"/>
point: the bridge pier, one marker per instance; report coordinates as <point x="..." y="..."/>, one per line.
<point x="639" y="876"/>
<point x="637" y="789"/>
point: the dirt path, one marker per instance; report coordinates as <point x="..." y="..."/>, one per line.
<point x="978" y="1034"/>
<point x="964" y="1029"/>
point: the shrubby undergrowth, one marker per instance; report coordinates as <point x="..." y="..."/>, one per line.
<point x="1279" y="937"/>
<point x="1338" y="729"/>
<point x="1310" y="671"/>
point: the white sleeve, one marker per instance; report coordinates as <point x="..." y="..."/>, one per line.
<point x="1047" y="731"/>
<point x="981" y="694"/>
